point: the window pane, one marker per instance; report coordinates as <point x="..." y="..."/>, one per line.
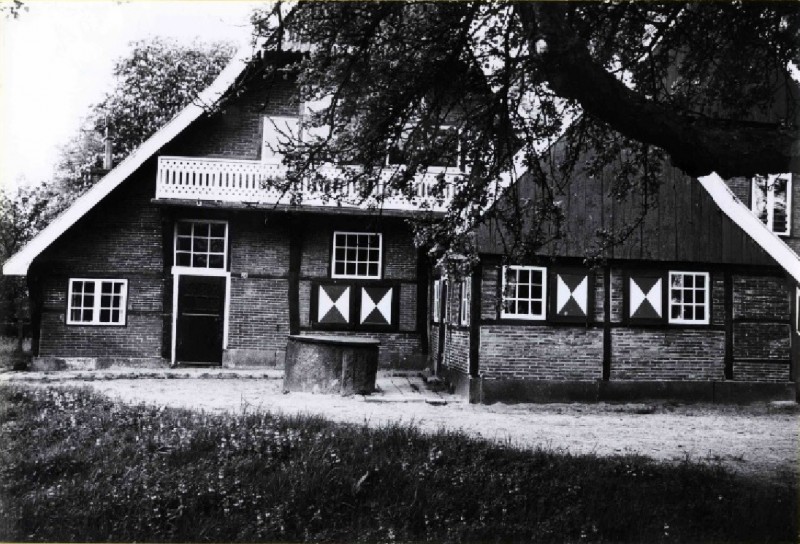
<point x="675" y="312"/>
<point x="183" y="259"/>
<point x="373" y="269"/>
<point x="216" y="261"/>
<point x="88" y="315"/>
<point x="200" y="245"/>
<point x="700" y="313"/>
<point x="184" y="229"/>
<point x="75" y="315"/>
<point x="688" y="280"/>
<point x="536" y="308"/>
<point x="217" y="245"/>
<point x="688" y="312"/>
<point x="677" y="280"/>
<point x="115" y="316"/>
<point x="118" y="288"/>
<point x="201" y="230"/>
<point x="523" y="306"/>
<point x="88" y="287"/>
<point x="217" y="230"/>
<point x="105" y="287"/>
<point x="688" y="296"/>
<point x="200" y="261"/>
<point x="700" y="281"/>
<point x="105" y="316"/>
<point x="700" y="297"/>
<point x="105" y="301"/>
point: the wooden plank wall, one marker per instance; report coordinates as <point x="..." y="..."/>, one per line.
<point x="685" y="225"/>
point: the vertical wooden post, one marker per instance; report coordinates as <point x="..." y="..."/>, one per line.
<point x="295" y="254"/>
<point x="422" y="299"/>
<point x="475" y="321"/>
<point x="728" y="303"/>
<point x="606" y="323"/>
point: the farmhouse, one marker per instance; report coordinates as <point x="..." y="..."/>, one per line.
<point x="185" y="254"/>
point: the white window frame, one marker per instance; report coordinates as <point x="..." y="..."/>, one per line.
<point x="528" y="316"/>
<point x="770" y="196"/>
<point x="465" y="300"/>
<point x="97" y="304"/>
<point x="797" y="309"/>
<point x="197" y="269"/>
<point x="437" y="300"/>
<point x="706" y="299"/>
<point x="377" y="276"/>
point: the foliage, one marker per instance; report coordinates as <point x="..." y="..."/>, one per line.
<point x="152" y="84"/>
<point x="75" y="466"/>
<point x="621" y="86"/>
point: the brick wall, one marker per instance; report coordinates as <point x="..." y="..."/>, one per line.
<point x="761" y="329"/>
<point x="757" y="297"/>
<point x="540" y="352"/>
<point x="236" y="131"/>
<point x="456" y="356"/>
<point x="120" y="239"/>
<point x="667" y="354"/>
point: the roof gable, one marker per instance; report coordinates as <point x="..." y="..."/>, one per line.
<point x="19" y="263"/>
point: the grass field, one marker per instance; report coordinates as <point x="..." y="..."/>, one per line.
<point x="77" y="467"/>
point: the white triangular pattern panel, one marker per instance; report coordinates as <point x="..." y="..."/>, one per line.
<point x="580" y="295"/>
<point x="343" y="304"/>
<point x="562" y="293"/>
<point x="636" y="298"/>
<point x="654" y="296"/>
<point x="385" y="306"/>
<point x="324" y="305"/>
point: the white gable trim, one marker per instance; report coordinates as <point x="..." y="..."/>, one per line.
<point x="752" y="225"/>
<point x="18" y="264"/>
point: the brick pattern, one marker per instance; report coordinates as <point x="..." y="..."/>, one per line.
<point x="140" y="338"/>
<point x="757" y="297"/>
<point x="258" y="249"/>
<point x="760" y="372"/>
<point x="236" y="131"/>
<point x="741" y="188"/>
<point x="761" y="341"/>
<point x="119" y="239"/>
<point x="489" y="300"/>
<point x="667" y="354"/>
<point x="617" y="281"/>
<point x="541" y="353"/>
<point x="456" y="356"/>
<point x="259" y="314"/>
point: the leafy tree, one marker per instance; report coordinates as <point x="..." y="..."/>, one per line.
<point x="618" y="85"/>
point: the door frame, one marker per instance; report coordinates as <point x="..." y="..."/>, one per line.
<point x="177" y="272"/>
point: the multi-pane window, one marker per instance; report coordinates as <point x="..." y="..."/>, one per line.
<point x="524" y="292"/>
<point x="356" y="255"/>
<point x="772" y="201"/>
<point x="201" y="244"/>
<point x="466" y="298"/>
<point x="96" y="302"/>
<point x="437" y="292"/>
<point x="689" y="297"/>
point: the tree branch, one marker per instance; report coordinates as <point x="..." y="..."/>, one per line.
<point x="696" y="145"/>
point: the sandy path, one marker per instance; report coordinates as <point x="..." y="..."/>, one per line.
<point x="756" y="439"/>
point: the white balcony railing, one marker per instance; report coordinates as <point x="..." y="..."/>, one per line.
<point x="240" y="181"/>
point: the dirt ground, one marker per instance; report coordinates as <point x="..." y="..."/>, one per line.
<point x="759" y="439"/>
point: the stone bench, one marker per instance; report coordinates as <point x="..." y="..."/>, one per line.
<point x="345" y="365"/>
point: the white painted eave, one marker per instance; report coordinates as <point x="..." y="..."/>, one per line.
<point x="752" y="225"/>
<point x="19" y="263"/>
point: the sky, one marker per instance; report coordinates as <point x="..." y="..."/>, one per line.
<point x="56" y="60"/>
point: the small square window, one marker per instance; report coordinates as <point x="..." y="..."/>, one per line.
<point x="688" y="300"/>
<point x="356" y="255"/>
<point x="201" y="244"/>
<point x="524" y="292"/>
